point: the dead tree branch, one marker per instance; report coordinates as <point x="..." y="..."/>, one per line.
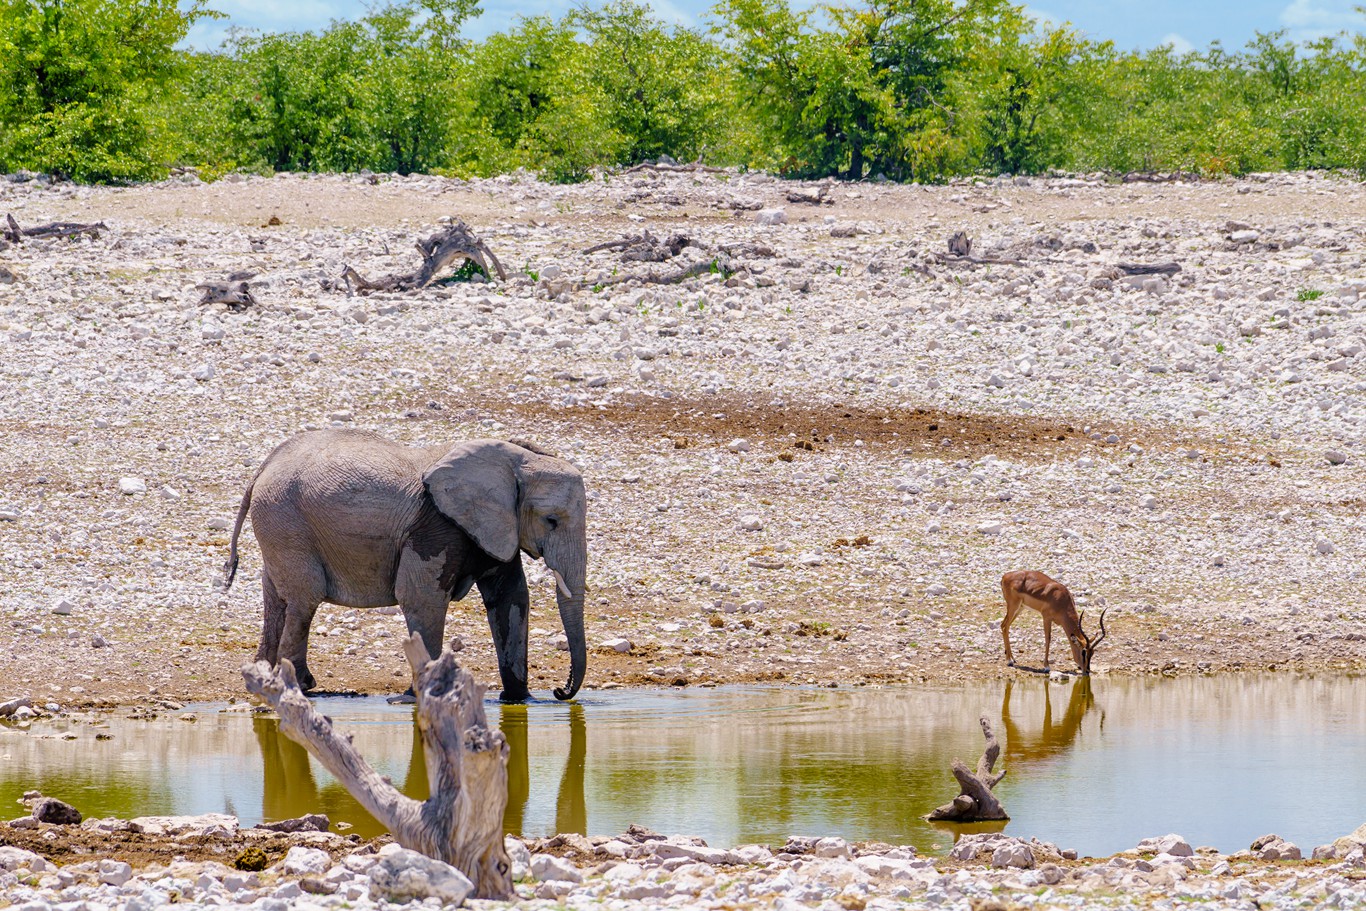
<point x="976" y="802"/>
<point x="690" y="168"/>
<point x="820" y="196"/>
<point x="700" y="267"/>
<point x="454" y="243"/>
<point x="14" y="234"/>
<point x="1148" y="268"/>
<point x="645" y="248"/>
<point x="462" y="822"/>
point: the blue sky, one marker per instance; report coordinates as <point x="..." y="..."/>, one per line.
<point x="1129" y="23"/>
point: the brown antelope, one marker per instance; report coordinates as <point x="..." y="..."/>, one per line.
<point x="1027" y="588"/>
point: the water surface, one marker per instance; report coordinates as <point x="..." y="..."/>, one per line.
<point x="1094" y="765"/>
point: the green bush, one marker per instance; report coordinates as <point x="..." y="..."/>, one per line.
<point x="77" y="79"/>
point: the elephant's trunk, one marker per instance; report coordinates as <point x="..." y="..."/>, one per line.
<point x="571" y="616"/>
<point x="569" y="592"/>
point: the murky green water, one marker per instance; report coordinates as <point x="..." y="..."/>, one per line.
<point x="1094" y="765"/>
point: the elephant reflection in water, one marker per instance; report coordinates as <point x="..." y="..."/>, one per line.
<point x="1055" y="738"/>
<point x="291" y="790"/>
<point x="571" y="808"/>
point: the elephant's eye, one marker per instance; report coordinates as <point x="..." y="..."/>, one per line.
<point x="552" y="522"/>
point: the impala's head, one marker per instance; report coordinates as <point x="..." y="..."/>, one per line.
<point x="1083" y="646"/>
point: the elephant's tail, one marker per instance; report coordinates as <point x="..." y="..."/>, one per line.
<point x="230" y="568"/>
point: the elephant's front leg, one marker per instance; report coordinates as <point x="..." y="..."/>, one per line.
<point x="424" y="599"/>
<point x="509" y="608"/>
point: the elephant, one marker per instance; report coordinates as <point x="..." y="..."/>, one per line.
<point x="354" y="519"/>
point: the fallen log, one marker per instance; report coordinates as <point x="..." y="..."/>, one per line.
<point x="453" y="243"/>
<point x="821" y="196"/>
<point x="1148" y="268"/>
<point x="14" y="234"/>
<point x="236" y="294"/>
<point x="690" y="168"/>
<point x="462" y="822"/>
<point x="976" y="802"/>
<point x="644" y="248"/>
<point x="700" y="267"/>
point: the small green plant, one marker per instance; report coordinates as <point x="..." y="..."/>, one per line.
<point x="1219" y="346"/>
<point x="597" y="289"/>
<point x="467" y="271"/>
<point x="839" y="270"/>
<point x="535" y="276"/>
<point x="1308" y="294"/>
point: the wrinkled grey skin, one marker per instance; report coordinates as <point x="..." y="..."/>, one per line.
<point x="351" y="518"/>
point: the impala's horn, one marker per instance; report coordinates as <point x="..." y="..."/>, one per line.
<point x="1101" y="637"/>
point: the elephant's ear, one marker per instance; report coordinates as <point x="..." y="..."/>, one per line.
<point x="475" y="486"/>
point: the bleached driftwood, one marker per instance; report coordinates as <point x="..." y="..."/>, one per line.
<point x="14" y="234"/>
<point x="462" y="822"/>
<point x="976" y="802"/>
<point x="453" y="243"/>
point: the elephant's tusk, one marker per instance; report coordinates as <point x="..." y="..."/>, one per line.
<point x="560" y="584"/>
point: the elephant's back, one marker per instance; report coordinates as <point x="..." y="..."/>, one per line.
<point x="345" y="496"/>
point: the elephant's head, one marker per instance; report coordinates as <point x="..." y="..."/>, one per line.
<point x="510" y="497"/>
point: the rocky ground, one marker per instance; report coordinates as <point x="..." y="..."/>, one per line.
<point x="810" y="462"/>
<point x="210" y="861"/>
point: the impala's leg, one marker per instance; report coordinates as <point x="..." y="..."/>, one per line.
<point x="1012" y="608"/>
<point x="1047" y="641"/>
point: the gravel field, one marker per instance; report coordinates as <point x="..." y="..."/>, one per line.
<point x="810" y="462"/>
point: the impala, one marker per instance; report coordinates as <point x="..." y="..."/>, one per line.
<point x="1051" y="598"/>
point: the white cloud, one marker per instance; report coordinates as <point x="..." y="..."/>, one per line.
<point x="1308" y="19"/>
<point x="1044" y="18"/>
<point x="1177" y="42"/>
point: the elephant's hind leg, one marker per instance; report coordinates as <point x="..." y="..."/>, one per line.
<point x="272" y="621"/>
<point x="298" y="597"/>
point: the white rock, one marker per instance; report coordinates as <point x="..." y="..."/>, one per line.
<point x="520" y="857"/>
<point x="1013" y="854"/>
<point x="115" y="873"/>
<point x="770" y="217"/>
<point x="301" y="861"/>
<point x="937" y="589"/>
<point x="831" y="847"/>
<point x="549" y="867"/>
<point x="1335" y="456"/>
<point x="739" y="445"/>
<point x="1147" y="501"/>
<point x="202" y="372"/>
<point x="63" y="607"/>
<point x="618" y="645"/>
<point x="994" y="527"/>
<point x="751" y="523"/>
<point x="403" y="875"/>
<point x="14" y="858"/>
<point x="1323" y="545"/>
<point x="1172" y="844"/>
<point x="130" y="486"/>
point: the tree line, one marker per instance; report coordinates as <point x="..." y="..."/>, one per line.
<point x="97" y="90"/>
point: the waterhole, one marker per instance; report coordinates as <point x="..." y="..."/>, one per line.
<point x="1093" y="765"/>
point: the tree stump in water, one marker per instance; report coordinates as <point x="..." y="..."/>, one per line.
<point x="462" y="822"/>
<point x="977" y="802"/>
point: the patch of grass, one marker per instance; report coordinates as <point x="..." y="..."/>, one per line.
<point x="1308" y="294"/>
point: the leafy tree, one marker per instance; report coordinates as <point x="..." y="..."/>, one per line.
<point x="76" y="80"/>
<point x="660" y="83"/>
<point x="529" y="101"/>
